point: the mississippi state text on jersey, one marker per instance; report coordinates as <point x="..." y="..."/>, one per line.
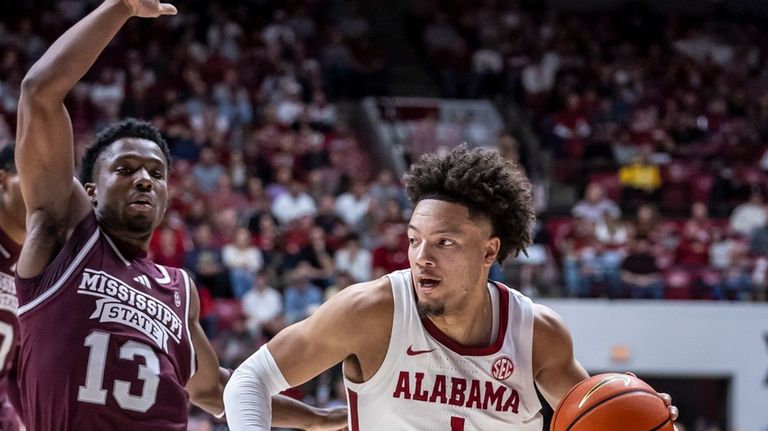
<point x="428" y="382"/>
<point x="104" y="339"/>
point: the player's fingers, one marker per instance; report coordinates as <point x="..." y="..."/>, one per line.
<point x="631" y="373"/>
<point x="673" y="413"/>
<point x="667" y="398"/>
<point x="167" y="9"/>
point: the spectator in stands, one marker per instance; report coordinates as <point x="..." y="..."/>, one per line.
<point x="205" y="262"/>
<point x="208" y="170"/>
<point x="571" y="128"/>
<point x="225" y="196"/>
<point x="290" y="206"/>
<point x="242" y="259"/>
<point x="353" y="206"/>
<point x="341" y="281"/>
<point x="640" y="180"/>
<point x="301" y="296"/>
<point x="612" y="236"/>
<point x="594" y="205"/>
<point x="263" y="307"/>
<point x="534" y="272"/>
<point x="693" y="250"/>
<point x="392" y="254"/>
<point x="234" y="344"/>
<point x="384" y="189"/>
<point x="750" y="215"/>
<point x="354" y="260"/>
<point x="579" y="252"/>
<point x="639" y="272"/>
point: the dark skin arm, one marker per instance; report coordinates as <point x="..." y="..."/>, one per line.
<point x="45" y="152"/>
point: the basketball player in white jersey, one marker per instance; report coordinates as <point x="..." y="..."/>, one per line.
<point x="438" y="346"/>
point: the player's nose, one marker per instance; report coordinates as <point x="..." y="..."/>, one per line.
<point x="142" y="179"/>
<point x="423" y="255"/>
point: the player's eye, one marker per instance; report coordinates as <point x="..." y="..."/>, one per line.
<point x="446" y="242"/>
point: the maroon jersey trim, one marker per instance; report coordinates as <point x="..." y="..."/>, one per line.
<point x="193" y="355"/>
<point x="65" y="277"/>
<point x="443" y="339"/>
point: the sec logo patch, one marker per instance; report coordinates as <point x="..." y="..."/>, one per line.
<point x="502" y="368"/>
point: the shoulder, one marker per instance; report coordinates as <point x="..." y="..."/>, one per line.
<point x="548" y="326"/>
<point x="368" y="301"/>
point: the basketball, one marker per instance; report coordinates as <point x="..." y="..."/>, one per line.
<point x="611" y="402"/>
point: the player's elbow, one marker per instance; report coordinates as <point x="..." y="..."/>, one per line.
<point x="37" y="89"/>
<point x="210" y="398"/>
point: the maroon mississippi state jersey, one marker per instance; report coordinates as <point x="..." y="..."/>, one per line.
<point x="104" y="339"/>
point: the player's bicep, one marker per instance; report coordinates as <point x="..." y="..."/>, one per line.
<point x="556" y="369"/>
<point x="311" y="346"/>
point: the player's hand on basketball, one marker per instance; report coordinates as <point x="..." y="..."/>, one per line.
<point x="673" y="411"/>
<point x="149" y="8"/>
<point x="332" y="420"/>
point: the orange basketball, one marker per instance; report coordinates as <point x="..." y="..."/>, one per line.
<point x="611" y="402"/>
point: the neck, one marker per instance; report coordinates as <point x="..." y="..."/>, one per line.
<point x="470" y="323"/>
<point x="129" y="238"/>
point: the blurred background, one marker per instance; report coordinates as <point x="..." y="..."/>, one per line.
<point x="642" y="124"/>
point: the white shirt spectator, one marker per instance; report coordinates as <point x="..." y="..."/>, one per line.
<point x="357" y="265"/>
<point x="747" y="217"/>
<point x="249" y="259"/>
<point x="352" y="208"/>
<point x="593" y="212"/>
<point x="261" y="306"/>
<point x="289" y="206"/>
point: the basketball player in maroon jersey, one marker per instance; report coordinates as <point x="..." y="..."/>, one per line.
<point x="12" y="231"/>
<point x="437" y="346"/>
<point x="109" y="339"/>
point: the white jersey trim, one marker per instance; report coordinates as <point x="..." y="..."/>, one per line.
<point x="65" y="277"/>
<point x="117" y="252"/>
<point x="193" y="355"/>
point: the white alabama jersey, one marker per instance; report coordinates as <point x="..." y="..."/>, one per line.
<point x="429" y="382"/>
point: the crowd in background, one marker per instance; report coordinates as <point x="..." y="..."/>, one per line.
<point x="275" y="205"/>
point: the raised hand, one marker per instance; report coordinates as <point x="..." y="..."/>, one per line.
<point x="149" y="8"/>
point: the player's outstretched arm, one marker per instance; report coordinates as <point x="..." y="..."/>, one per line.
<point x="44" y="151"/>
<point x="206" y="387"/>
<point x="353" y="321"/>
<point x="555" y="368"/>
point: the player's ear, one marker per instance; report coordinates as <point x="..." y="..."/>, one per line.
<point x="90" y="189"/>
<point x="492" y="250"/>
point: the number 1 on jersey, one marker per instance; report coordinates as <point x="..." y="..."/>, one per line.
<point x="457" y="423"/>
<point x="93" y="391"/>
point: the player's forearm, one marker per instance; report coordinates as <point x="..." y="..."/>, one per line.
<point x="290" y="413"/>
<point x="70" y="57"/>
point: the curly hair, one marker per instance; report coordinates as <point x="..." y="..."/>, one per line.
<point x="127" y="128"/>
<point x="489" y="185"/>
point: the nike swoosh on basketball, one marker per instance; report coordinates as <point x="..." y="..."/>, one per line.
<point x="412" y="352"/>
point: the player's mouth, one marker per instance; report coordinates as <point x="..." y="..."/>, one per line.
<point x="427" y="283"/>
<point x="142" y="205"/>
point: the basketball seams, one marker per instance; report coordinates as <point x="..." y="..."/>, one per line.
<point x="659" y="426"/>
<point x="603" y="401"/>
